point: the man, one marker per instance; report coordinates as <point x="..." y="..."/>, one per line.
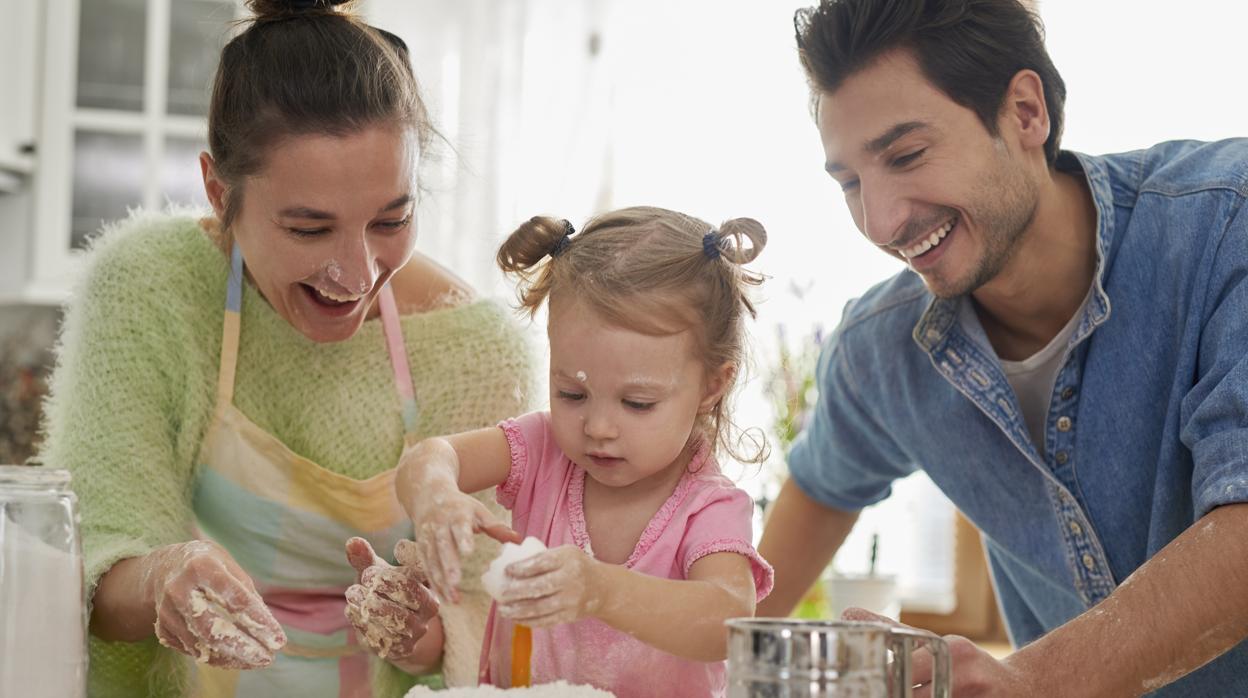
<point x="1065" y="355"/>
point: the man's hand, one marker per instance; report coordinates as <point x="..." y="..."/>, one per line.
<point x="974" y="671"/>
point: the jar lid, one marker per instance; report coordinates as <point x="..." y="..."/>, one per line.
<point x="33" y="477"/>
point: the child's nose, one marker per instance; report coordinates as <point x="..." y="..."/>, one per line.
<point x="599" y="426"/>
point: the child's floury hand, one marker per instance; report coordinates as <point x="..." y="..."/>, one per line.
<point x="444" y="533"/>
<point x="557" y="586"/>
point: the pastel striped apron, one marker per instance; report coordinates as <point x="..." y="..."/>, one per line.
<point x="285" y="520"/>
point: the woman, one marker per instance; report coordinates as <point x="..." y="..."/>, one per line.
<point x="221" y="464"/>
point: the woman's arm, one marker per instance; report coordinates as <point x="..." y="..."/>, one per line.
<point x="683" y="617"/>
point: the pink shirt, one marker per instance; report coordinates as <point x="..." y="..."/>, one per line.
<point x="545" y="493"/>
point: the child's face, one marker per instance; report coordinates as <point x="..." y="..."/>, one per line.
<point x="623" y="403"/>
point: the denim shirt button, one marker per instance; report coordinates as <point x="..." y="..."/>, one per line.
<point x="1076" y="529"/>
<point x="933" y="334"/>
<point x="1089" y="562"/>
<point x="1063" y="423"/>
<point x="1061" y="457"/>
<point x="1068" y="392"/>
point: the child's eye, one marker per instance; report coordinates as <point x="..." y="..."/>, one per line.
<point x="573" y="397"/>
<point x="639" y="406"/>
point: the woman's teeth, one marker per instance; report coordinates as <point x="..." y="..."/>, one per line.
<point x="330" y="295"/>
<point x="928" y="242"/>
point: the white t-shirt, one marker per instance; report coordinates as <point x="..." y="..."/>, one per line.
<point x="1033" y="377"/>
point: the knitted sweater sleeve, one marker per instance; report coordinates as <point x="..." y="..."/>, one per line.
<point x="113" y="418"/>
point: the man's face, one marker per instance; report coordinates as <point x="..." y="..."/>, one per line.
<point x="923" y="178"/>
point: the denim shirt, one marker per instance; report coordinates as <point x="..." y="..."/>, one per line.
<point x="1147" y="428"/>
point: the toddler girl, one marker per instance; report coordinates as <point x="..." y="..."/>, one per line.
<point x="649" y="544"/>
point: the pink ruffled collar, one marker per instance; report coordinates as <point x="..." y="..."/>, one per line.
<point x="576" y="505"/>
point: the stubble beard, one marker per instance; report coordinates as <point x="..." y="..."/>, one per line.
<point x="1005" y="206"/>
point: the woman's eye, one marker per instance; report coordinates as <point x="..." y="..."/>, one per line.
<point x="639" y="406"/>
<point x="395" y="225"/>
<point x="308" y="232"/>
<point x="573" y="397"/>
<point x="909" y="158"/>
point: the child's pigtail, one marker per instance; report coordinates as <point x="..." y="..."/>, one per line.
<point x="526" y="252"/>
<point x="732" y="236"/>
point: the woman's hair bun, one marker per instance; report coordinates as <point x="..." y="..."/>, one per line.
<point x="740" y="231"/>
<point x="265" y="9"/>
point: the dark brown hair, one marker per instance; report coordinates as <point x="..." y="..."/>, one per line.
<point x="653" y="271"/>
<point x="968" y="49"/>
<point x="305" y="67"/>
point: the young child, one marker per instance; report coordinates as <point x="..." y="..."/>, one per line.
<point x="650" y="546"/>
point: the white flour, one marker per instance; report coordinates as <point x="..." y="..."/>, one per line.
<point x="558" y="689"/>
<point x="42" y="642"/>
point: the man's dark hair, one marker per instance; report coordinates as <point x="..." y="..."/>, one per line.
<point x="968" y="49"/>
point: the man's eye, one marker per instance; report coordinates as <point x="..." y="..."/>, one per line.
<point x="573" y="397"/>
<point x="639" y="406"/>
<point x="909" y="158"/>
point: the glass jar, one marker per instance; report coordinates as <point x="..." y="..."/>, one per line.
<point x="43" y="620"/>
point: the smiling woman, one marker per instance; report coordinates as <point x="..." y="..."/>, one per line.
<point x="225" y="400"/>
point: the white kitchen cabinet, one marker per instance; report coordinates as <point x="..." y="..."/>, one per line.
<point x="19" y="55"/>
<point x="118" y="94"/>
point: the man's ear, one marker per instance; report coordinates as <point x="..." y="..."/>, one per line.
<point x="718" y="381"/>
<point x="1024" y="110"/>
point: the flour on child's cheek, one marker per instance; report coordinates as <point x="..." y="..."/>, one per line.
<point x="580" y="376"/>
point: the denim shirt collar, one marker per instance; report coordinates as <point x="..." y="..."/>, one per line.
<point x="941" y="315"/>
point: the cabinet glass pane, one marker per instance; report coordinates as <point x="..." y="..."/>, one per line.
<point x="180" y="179"/>
<point x="108" y="179"/>
<point x="111" y="40"/>
<point x="199" y="28"/>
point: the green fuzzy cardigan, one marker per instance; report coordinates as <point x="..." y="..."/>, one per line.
<point x="133" y="392"/>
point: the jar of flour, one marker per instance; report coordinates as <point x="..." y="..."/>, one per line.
<point x="43" y="622"/>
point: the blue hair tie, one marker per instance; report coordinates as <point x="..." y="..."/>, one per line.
<point x="712" y="245"/>
<point x="566" y="239"/>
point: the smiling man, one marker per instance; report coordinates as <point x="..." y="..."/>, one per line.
<point x="1065" y="355"/>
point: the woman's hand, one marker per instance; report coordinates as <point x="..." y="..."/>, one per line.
<point x="390" y="607"/>
<point x="207" y="607"/>
<point x="558" y="586"/>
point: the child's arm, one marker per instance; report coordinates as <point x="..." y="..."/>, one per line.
<point x="430" y="484"/>
<point x="683" y="617"/>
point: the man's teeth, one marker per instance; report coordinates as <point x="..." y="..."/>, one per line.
<point x="335" y="297"/>
<point x="929" y="242"/>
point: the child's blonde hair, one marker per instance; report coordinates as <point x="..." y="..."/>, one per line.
<point x="652" y="271"/>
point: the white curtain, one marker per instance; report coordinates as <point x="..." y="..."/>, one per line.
<point x="518" y="89"/>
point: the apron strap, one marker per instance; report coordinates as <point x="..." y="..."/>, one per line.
<point x="398" y="361"/>
<point x="230" y="329"/>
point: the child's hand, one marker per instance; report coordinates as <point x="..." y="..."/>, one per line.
<point x="445" y="526"/>
<point x="557" y="586"/>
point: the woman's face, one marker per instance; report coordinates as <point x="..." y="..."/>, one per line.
<point x="326" y="223"/>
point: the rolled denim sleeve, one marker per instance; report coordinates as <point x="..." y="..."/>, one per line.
<point x="844" y="458"/>
<point x="1215" y="411"/>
